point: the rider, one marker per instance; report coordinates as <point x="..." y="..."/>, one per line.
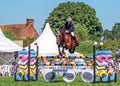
<point x="69" y="27"/>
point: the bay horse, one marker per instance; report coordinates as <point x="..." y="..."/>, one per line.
<point x="65" y="41"/>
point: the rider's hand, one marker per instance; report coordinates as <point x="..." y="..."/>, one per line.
<point x="67" y="31"/>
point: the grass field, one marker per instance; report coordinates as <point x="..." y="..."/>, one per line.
<point x="9" y="81"/>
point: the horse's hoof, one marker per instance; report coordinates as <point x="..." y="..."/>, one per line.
<point x="63" y="52"/>
<point x="60" y="56"/>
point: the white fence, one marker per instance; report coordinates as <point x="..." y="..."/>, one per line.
<point x="6" y="70"/>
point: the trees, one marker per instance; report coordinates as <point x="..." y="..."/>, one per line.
<point x="28" y="39"/>
<point x="9" y="34"/>
<point x="114" y="33"/>
<point x="107" y="35"/>
<point x="84" y="19"/>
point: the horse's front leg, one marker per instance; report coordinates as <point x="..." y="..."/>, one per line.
<point x="59" y="50"/>
<point x="63" y="50"/>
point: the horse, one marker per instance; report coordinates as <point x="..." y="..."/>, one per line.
<point x="65" y="41"/>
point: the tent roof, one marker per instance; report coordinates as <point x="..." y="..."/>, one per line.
<point x="47" y="43"/>
<point x="7" y="45"/>
<point x="1" y="33"/>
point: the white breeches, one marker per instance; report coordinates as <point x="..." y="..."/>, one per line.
<point x="72" y="33"/>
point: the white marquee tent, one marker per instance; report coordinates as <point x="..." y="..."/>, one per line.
<point x="47" y="43"/>
<point x="1" y="33"/>
<point x="7" y="48"/>
<point x="7" y="45"/>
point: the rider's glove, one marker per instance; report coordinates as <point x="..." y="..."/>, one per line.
<point x="67" y="31"/>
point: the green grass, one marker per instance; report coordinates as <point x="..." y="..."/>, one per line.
<point x="9" y="81"/>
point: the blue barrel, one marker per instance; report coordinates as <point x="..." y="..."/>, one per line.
<point x="18" y="77"/>
<point x="33" y="56"/>
<point x="25" y="77"/>
<point x="32" y="52"/>
<point x="112" y="77"/>
<point x="104" y="52"/>
<point x="23" y="51"/>
<point x="97" y="78"/>
<point x="109" y="52"/>
<point x="33" y="77"/>
<point x="105" y="79"/>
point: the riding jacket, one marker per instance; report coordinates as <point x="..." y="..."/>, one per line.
<point x="69" y="26"/>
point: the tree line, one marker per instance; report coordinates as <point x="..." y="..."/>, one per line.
<point x="113" y="34"/>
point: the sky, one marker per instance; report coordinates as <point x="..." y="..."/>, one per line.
<point x="17" y="11"/>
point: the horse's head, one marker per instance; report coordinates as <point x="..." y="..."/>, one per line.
<point x="67" y="40"/>
<point x="58" y="37"/>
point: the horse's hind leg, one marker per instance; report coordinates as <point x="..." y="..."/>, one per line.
<point x="60" y="53"/>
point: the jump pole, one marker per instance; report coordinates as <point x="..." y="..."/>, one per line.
<point x="37" y="49"/>
<point x="94" y="65"/>
<point x="28" y="64"/>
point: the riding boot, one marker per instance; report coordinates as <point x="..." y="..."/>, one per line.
<point x="74" y="38"/>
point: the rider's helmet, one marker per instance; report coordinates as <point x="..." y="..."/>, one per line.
<point x="69" y="19"/>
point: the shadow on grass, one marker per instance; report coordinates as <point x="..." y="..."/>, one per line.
<point x="59" y="81"/>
